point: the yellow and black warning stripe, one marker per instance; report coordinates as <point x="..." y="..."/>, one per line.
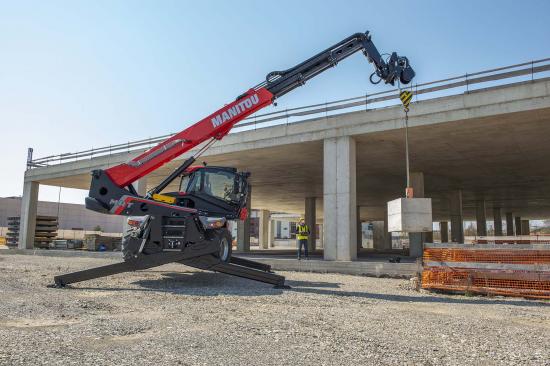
<point x="406" y="97"/>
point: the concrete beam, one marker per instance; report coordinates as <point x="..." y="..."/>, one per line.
<point x="243" y="226"/>
<point x="497" y="219"/>
<point x="27" y="222"/>
<point x="444" y="231"/>
<point x="339" y="199"/>
<point x="310" y="220"/>
<point x="263" y="229"/>
<point x="509" y="224"/>
<point x="481" y="218"/>
<point x="457" y="224"/>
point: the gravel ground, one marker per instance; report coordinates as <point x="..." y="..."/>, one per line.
<point x="173" y="315"/>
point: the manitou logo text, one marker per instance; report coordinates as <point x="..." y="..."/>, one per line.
<point x="236" y="110"/>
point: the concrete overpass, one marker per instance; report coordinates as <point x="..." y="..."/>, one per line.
<point x="478" y="152"/>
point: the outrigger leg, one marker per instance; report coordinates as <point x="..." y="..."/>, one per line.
<point x="238" y="267"/>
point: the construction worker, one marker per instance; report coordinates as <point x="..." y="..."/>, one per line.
<point x="302" y="232"/>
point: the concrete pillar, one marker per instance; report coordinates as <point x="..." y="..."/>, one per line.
<point x="429" y="236"/>
<point x="525" y="227"/>
<point x="481" y="218"/>
<point x="27" y="223"/>
<point x="518" y="225"/>
<point x="271" y="238"/>
<point x="310" y="220"/>
<point x="457" y="228"/>
<point x="263" y="229"/>
<point x="359" y="230"/>
<point x="444" y="231"/>
<point x="416" y="240"/>
<point x="320" y="244"/>
<point x="497" y="219"/>
<point x="379" y="235"/>
<point x="339" y="198"/>
<point x="509" y="224"/>
<point x="243" y="227"/>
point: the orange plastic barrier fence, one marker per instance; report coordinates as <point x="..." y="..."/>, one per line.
<point x="512" y="271"/>
<point x="487" y="255"/>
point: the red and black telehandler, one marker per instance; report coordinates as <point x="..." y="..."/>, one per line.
<point x="190" y="226"/>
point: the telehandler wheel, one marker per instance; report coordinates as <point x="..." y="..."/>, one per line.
<point x="224" y="238"/>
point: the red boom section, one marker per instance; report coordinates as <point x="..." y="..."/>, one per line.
<point x="216" y="125"/>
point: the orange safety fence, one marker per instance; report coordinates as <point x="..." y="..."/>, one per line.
<point x="511" y="271"/>
<point x="487" y="255"/>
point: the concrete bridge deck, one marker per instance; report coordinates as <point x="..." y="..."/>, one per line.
<point x="473" y="152"/>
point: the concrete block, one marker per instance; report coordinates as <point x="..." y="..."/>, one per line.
<point x="410" y="215"/>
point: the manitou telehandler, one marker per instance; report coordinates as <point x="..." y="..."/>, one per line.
<point x="190" y="226"/>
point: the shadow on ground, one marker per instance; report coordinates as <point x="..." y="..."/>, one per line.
<point x="214" y="284"/>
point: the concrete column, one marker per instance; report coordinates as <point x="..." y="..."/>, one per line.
<point x="320" y="244"/>
<point x="416" y="240"/>
<point x="263" y="229"/>
<point x="457" y="225"/>
<point x="481" y="218"/>
<point x="429" y="236"/>
<point x="271" y="229"/>
<point x="497" y="219"/>
<point x="509" y="224"/>
<point x="359" y="230"/>
<point x="444" y="231"/>
<point x="310" y="220"/>
<point x="339" y="195"/>
<point x="525" y="227"/>
<point x="518" y="225"/>
<point x="27" y="223"/>
<point x="243" y="227"/>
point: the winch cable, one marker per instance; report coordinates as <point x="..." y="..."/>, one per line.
<point x="406" y="96"/>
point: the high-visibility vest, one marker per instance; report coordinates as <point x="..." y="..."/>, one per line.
<point x="302" y="232"/>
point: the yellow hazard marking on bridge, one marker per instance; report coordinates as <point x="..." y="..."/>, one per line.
<point x="406" y="97"/>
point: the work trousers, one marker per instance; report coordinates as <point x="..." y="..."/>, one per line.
<point x="302" y="242"/>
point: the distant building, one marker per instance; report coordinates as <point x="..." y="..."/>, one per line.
<point x="71" y="215"/>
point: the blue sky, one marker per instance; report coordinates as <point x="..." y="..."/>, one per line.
<point x="78" y="74"/>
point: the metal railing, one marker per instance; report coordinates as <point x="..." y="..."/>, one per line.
<point x="469" y="82"/>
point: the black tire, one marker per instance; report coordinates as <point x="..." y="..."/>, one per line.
<point x="223" y="236"/>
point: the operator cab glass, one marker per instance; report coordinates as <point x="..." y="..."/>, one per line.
<point x="224" y="184"/>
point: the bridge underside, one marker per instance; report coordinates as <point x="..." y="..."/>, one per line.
<point x="491" y="146"/>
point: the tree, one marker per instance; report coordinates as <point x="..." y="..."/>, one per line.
<point x="97" y="228"/>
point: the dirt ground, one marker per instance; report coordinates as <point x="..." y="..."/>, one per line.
<point x="174" y="315"/>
